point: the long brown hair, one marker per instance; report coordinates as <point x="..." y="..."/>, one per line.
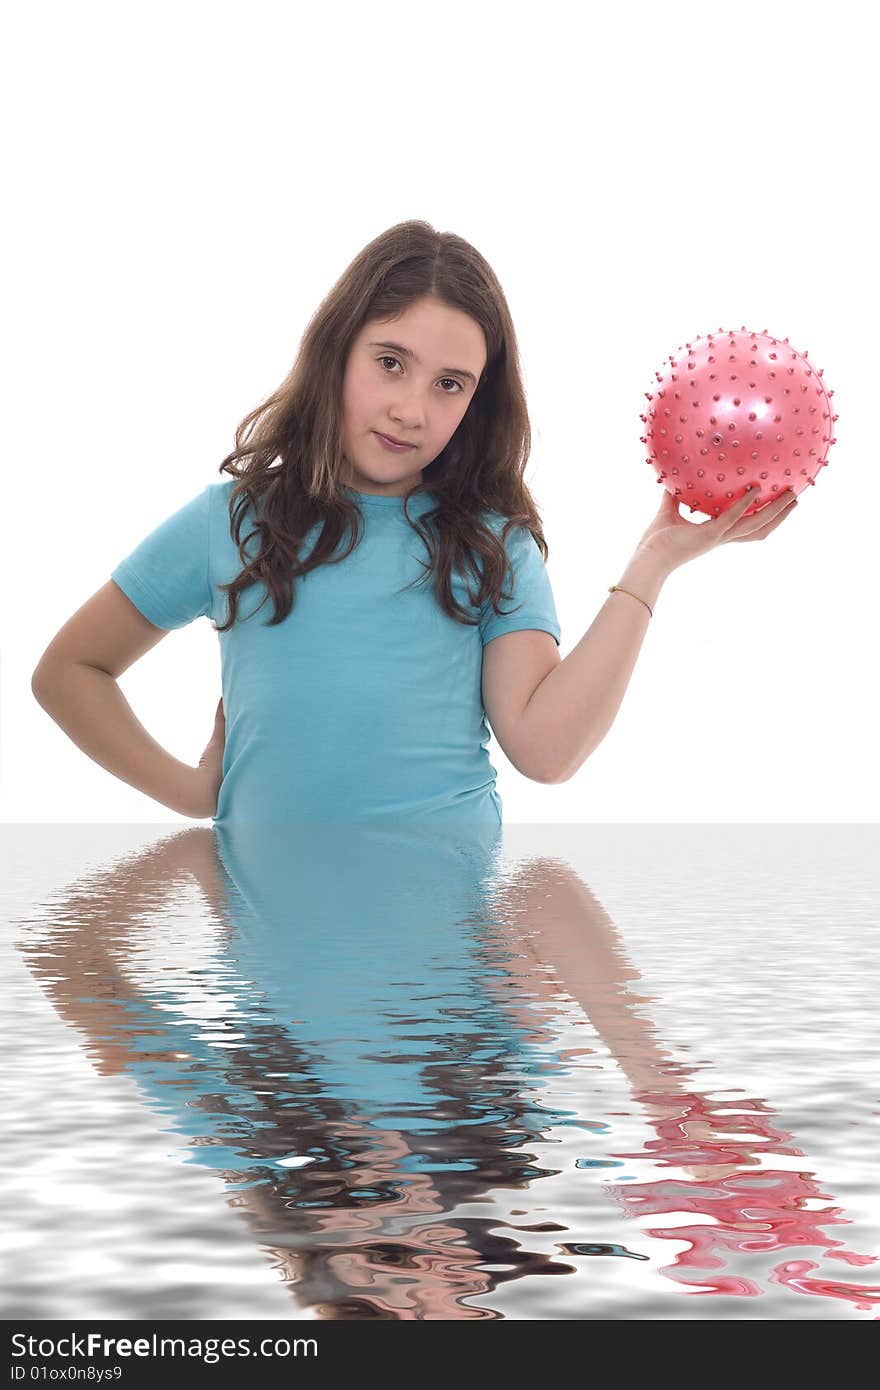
<point x="480" y="468"/>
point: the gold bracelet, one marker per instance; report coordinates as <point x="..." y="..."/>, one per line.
<point x="612" y="587"/>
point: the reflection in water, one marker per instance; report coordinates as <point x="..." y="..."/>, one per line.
<point x="366" y="1045"/>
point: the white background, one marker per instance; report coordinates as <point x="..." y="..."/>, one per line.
<point x="185" y="183"/>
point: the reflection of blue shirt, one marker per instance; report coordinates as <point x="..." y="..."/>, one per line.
<point x="366" y="701"/>
<point x="356" y="974"/>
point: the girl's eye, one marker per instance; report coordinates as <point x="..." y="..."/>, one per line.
<point x="386" y="358"/>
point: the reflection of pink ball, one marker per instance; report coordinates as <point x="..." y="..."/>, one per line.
<point x="733" y="409"/>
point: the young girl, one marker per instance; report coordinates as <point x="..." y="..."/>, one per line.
<point x="358" y="567"/>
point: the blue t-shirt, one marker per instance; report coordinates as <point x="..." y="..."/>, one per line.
<point x="366" y="701"/>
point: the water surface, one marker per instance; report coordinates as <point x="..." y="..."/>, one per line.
<point x="332" y="1072"/>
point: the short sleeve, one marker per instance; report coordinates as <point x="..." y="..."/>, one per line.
<point x="532" y="604"/>
<point x="167" y="575"/>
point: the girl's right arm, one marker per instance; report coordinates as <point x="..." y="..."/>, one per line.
<point x="75" y="682"/>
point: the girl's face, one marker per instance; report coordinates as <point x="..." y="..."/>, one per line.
<point x="412" y="378"/>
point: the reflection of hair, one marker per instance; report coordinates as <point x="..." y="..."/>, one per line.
<point x="300" y="424"/>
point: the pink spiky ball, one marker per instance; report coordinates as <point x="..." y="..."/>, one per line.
<point x="736" y="408"/>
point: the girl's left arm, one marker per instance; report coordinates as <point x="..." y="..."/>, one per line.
<point x="571" y="710"/>
<point x="574" y="706"/>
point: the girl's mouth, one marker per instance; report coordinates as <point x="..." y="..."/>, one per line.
<point x="389" y="444"/>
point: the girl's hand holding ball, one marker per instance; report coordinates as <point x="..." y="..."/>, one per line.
<point x="674" y="540"/>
